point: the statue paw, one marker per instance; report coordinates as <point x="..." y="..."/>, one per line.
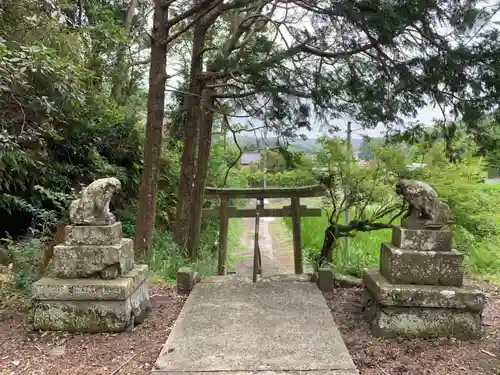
<point x="111" y="272"/>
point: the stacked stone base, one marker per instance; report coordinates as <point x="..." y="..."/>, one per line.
<point x="95" y="285"/>
<point x="91" y="305"/>
<point x="413" y="311"/>
<point x="418" y="289"/>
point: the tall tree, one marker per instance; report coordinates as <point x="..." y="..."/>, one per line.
<point x="243" y="23"/>
<point x="146" y="213"/>
<point x="120" y="76"/>
<point x="375" y="62"/>
<point x="192" y="103"/>
<point x="165" y="30"/>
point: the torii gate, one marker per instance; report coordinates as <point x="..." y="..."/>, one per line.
<point x="295" y="210"/>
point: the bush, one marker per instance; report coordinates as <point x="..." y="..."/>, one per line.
<point x="58" y="133"/>
<point x="475" y="209"/>
<point x="476" y="214"/>
<point x="292" y="178"/>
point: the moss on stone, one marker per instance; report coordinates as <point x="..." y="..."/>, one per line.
<point x="421" y="311"/>
<point x="401" y="266"/>
<point x="92" y="316"/>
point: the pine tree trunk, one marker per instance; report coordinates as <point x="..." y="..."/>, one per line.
<point x="204" y="145"/>
<point x="188" y="162"/>
<point x="146" y="211"/>
<point x="121" y="74"/>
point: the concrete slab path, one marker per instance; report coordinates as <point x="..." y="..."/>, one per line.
<point x="229" y="325"/>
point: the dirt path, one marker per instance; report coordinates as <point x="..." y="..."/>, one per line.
<point x="276" y="249"/>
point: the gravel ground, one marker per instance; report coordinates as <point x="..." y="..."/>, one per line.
<point x="25" y="352"/>
<point x="417" y="357"/>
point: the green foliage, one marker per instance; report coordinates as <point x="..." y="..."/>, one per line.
<point x="59" y="126"/>
<point x="475" y="208"/>
<point x="25" y="255"/>
<point x="362" y="252"/>
<point x="167" y="258"/>
<point x="365" y="149"/>
<point x="293" y="178"/>
<point x="457" y="158"/>
<point x="222" y="167"/>
<point x="57" y="130"/>
<point x="364" y="189"/>
<point x="274" y="161"/>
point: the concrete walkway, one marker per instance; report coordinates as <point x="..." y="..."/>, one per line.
<point x="230" y="326"/>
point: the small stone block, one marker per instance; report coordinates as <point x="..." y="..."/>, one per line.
<point x="422" y="224"/>
<point x="186" y="279"/>
<point x="286" y="278"/>
<point x="93" y="261"/>
<point x="412" y="311"/>
<point x="326" y="282"/>
<point x="93" y="234"/>
<point x="422" y="239"/>
<point x="224" y="279"/>
<point x="110" y="273"/>
<point x="101" y="306"/>
<point x="314" y="277"/>
<point x="391" y="322"/>
<point x="421" y="267"/>
<point x="347" y="281"/>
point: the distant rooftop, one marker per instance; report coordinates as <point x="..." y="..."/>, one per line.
<point x="413" y="166"/>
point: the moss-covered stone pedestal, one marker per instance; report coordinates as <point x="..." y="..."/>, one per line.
<point x="94" y="285"/>
<point x="93" y="252"/>
<point x="418" y="290"/>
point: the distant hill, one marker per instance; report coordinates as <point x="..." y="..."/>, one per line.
<point x="308" y="146"/>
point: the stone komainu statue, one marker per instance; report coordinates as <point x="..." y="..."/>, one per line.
<point x="92" y="208"/>
<point x="425" y="208"/>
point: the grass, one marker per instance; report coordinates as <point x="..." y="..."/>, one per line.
<point x="16" y="279"/>
<point x="167" y="257"/>
<point x="482" y="257"/>
<point x="482" y="254"/>
<point x="363" y="251"/>
<point x="234" y="236"/>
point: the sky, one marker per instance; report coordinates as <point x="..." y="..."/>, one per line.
<point x="426" y="115"/>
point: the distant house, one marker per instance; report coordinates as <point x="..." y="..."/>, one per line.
<point x="413" y="166"/>
<point x="250" y="157"/>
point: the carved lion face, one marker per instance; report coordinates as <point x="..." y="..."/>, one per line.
<point x="113" y="185"/>
<point x="400" y="187"/>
